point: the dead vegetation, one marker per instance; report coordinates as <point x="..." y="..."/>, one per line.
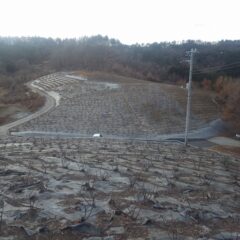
<point x="228" y="98"/>
<point x="127" y="189"/>
<point x="18" y="101"/>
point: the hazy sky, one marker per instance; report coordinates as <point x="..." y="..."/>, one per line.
<point x="130" y="21"/>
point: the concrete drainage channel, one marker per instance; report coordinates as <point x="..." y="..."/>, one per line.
<point x="214" y="129"/>
<point x="197" y="142"/>
<point x="173" y="137"/>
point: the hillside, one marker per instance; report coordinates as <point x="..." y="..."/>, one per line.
<point x="117" y="107"/>
<point x="58" y="182"/>
<point x="25" y="59"/>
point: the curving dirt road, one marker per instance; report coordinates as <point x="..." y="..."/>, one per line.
<point x="49" y="104"/>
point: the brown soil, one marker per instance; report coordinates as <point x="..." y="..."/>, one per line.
<point x="14" y="104"/>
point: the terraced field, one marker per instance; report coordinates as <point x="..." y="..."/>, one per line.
<point x="118" y="107"/>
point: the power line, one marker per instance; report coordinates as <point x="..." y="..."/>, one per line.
<point x="217" y="68"/>
<point x="234" y="63"/>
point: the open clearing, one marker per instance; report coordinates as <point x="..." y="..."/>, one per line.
<point x="53" y="187"/>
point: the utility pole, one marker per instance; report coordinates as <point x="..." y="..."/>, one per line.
<point x="189" y="88"/>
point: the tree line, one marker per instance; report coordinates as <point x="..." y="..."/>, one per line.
<point x="165" y="61"/>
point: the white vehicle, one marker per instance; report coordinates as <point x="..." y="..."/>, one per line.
<point x="97" y="135"/>
<point x="238" y="135"/>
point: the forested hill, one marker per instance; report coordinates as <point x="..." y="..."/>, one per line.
<point x="164" y="61"/>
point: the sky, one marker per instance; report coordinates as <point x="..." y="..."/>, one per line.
<point x="130" y="21"/>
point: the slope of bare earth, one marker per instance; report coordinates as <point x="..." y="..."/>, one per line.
<point x="110" y="189"/>
<point x="53" y="187"/>
<point x="118" y="106"/>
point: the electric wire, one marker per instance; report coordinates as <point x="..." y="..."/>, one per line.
<point x="218" y="68"/>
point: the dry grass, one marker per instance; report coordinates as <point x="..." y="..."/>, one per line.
<point x="228" y="99"/>
<point x="19" y="100"/>
<point x="235" y="151"/>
